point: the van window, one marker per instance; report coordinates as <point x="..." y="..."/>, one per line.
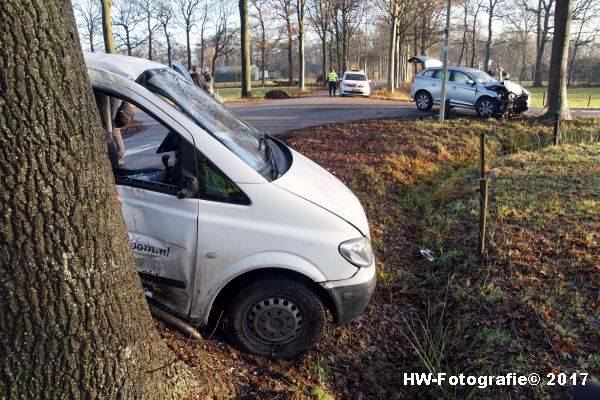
<point x="428" y="73"/>
<point x="437" y="74"/>
<point x="215" y="185"/>
<point x="242" y="139"/>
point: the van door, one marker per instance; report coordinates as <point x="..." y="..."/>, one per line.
<point x="161" y="219"/>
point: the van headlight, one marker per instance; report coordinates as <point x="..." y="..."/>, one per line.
<point x="357" y="251"/>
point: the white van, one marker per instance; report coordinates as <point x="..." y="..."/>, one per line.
<point x="224" y="219"/>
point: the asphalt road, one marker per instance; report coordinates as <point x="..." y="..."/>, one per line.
<point x="277" y="116"/>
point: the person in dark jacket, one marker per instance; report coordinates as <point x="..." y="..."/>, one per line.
<point x="208" y="81"/>
<point x="197" y="76"/>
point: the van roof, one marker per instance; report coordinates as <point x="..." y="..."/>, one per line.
<point x="129" y="67"/>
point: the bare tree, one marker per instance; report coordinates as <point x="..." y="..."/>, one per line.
<point x="222" y="40"/>
<point x="475" y="14"/>
<point x="285" y="10"/>
<point x="319" y="16"/>
<point x="557" y="80"/>
<point x="300" y="11"/>
<point x="347" y="15"/>
<point x="126" y="17"/>
<point x="186" y="18"/>
<point x="203" y="26"/>
<point x="165" y="17"/>
<point x="543" y="17"/>
<point x="584" y="16"/>
<point x="90" y="15"/>
<point x="148" y="10"/>
<point x="264" y="37"/>
<point x="107" y="33"/>
<point x="491" y="10"/>
<point x="74" y="323"/>
<point x="245" y="47"/>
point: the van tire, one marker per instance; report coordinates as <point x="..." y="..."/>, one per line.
<point x="275" y="317"/>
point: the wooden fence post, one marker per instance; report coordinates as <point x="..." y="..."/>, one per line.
<point x="556" y="133"/>
<point x="483" y="197"/>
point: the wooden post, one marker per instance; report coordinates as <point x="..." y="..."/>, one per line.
<point x="556" y="133"/>
<point x="483" y="190"/>
<point x="589" y="101"/>
<point x="543" y="99"/>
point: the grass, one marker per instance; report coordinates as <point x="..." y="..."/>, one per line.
<point x="579" y="97"/>
<point x="531" y="306"/>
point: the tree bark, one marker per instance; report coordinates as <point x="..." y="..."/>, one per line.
<point x="73" y="319"/>
<point x="557" y="81"/>
<point x="109" y="41"/>
<point x="300" y="8"/>
<point x="245" y="45"/>
<point x="289" y="50"/>
<point x="392" y="56"/>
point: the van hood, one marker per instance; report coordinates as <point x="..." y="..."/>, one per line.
<point x="313" y="183"/>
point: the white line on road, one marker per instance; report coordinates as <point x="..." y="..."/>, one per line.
<point x="146" y="147"/>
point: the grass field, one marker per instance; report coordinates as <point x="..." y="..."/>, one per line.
<point x="579" y="97"/>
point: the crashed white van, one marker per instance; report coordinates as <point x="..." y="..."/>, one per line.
<point x="222" y="218"/>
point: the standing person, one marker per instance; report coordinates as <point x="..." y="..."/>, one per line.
<point x="197" y="76"/>
<point x="116" y="106"/>
<point x="208" y="81"/>
<point x="332" y="79"/>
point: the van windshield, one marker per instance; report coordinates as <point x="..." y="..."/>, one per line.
<point x="481" y="77"/>
<point x="239" y="137"/>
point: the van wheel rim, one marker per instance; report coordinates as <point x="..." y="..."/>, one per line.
<point x="486" y="108"/>
<point x="422" y="101"/>
<point x="274" y="320"/>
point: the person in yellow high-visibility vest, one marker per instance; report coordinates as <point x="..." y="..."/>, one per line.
<point x="332" y="80"/>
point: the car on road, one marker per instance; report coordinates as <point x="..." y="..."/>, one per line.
<point x="355" y="83"/>
<point x="471" y="89"/>
<point x="225" y="219"/>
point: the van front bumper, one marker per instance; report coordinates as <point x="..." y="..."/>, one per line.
<point x="351" y="296"/>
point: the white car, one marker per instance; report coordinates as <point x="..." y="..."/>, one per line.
<point x="355" y="83"/>
<point x="224" y="218"/>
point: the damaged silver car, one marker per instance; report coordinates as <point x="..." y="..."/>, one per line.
<point x="471" y="89"/>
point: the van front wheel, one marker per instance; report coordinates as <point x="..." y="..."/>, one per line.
<point x="275" y="317"/>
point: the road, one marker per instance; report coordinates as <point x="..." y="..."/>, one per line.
<point x="277" y="116"/>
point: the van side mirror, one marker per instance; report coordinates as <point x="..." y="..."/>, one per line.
<point x="192" y="189"/>
<point x="470" y="82"/>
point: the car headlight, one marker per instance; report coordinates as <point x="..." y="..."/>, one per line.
<point x="357" y="251"/>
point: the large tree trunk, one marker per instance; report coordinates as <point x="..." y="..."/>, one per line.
<point x="392" y="56"/>
<point x="188" y="48"/>
<point x="109" y="41"/>
<point x="557" y="81"/>
<point x="324" y="51"/>
<point x="290" y="56"/>
<point x="73" y="319"/>
<point x="245" y="45"/>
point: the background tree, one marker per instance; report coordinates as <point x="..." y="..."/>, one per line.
<point x="222" y="40"/>
<point x="203" y="26"/>
<point x="148" y="10"/>
<point x="300" y="10"/>
<point x="89" y="13"/>
<point x="587" y="28"/>
<point x="319" y="16"/>
<point x="285" y="10"/>
<point x="491" y="7"/>
<point x="74" y="322"/>
<point x="186" y="18"/>
<point x="126" y="17"/>
<point x="557" y="80"/>
<point x="165" y="16"/>
<point x="245" y="49"/>
<point x="543" y="17"/>
<point x="107" y="33"/>
<point x="264" y="36"/>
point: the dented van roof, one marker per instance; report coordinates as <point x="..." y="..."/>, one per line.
<point x="129" y="67"/>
